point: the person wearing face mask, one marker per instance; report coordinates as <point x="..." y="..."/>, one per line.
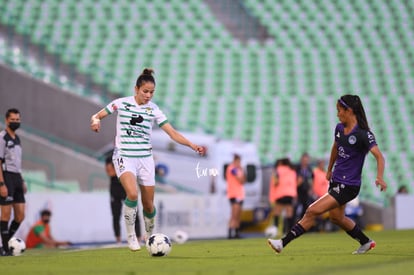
<point x="40" y="235"/>
<point x="12" y="186"/>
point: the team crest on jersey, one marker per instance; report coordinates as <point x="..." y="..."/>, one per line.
<point x="121" y="167"/>
<point x="352" y="139"/>
<point x="148" y="110"/>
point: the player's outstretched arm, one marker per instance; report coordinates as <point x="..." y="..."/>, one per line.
<point x="379" y="181"/>
<point x="96" y="120"/>
<point x="179" y="138"/>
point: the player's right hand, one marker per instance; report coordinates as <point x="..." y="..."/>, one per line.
<point x="95" y="125"/>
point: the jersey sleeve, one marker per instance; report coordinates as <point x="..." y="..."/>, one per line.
<point x="337" y="132"/>
<point x="369" y="139"/>
<point x="113" y="106"/>
<point x="160" y="117"/>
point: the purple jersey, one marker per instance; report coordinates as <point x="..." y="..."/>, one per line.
<point x="352" y="149"/>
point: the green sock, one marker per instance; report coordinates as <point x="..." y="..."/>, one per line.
<point x="132" y="204"/>
<point x="150" y="215"/>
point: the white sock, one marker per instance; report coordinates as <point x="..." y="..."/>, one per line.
<point x="130" y="215"/>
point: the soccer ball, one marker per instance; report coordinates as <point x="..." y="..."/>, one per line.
<point x="158" y="245"/>
<point x="180" y="236"/>
<point x="16" y="246"/>
<point x="271" y="231"/>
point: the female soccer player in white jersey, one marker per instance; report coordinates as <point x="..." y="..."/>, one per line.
<point x="132" y="156"/>
<point x="353" y="140"/>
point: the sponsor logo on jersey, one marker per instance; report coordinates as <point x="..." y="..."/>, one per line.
<point x="370" y="137"/>
<point x="341" y="152"/>
<point x="127" y="106"/>
<point x="9" y="198"/>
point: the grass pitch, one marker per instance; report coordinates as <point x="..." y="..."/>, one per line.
<point x="313" y="253"/>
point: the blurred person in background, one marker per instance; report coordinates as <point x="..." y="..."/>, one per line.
<point x="402" y="190"/>
<point x="40" y="235"/>
<point x="319" y="188"/>
<point x="283" y="193"/>
<point x="320" y="183"/>
<point x="305" y="182"/>
<point x="12" y="185"/>
<point x="235" y="178"/>
<point x="118" y="195"/>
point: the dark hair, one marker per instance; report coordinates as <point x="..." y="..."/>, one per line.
<point x="354" y="103"/>
<point x="145" y="76"/>
<point x="45" y="212"/>
<point x="12" y="111"/>
<point x="283" y="161"/>
<point x="236" y="157"/>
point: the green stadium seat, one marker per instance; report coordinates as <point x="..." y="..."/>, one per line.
<point x="316" y="52"/>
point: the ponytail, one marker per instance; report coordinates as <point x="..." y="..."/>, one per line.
<point x="354" y="103"/>
<point x="145" y="76"/>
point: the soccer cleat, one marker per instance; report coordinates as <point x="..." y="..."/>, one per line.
<point x="3" y="252"/>
<point x="149" y="226"/>
<point x="276" y="245"/>
<point x="133" y="243"/>
<point x="365" y="247"/>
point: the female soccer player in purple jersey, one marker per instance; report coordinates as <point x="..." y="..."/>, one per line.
<point x="353" y="140"/>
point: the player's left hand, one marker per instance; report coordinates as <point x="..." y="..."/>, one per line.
<point x="381" y="183"/>
<point x="201" y="150"/>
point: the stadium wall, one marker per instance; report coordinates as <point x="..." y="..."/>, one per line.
<point x="60" y="115"/>
<point x="201" y="217"/>
<point x="52" y="110"/>
<point x="61" y="163"/>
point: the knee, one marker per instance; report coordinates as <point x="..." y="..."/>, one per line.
<point x="335" y="219"/>
<point x="132" y="194"/>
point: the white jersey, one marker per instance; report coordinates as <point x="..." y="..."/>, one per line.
<point x="134" y="126"/>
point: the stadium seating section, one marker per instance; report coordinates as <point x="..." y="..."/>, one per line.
<point x="279" y="93"/>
